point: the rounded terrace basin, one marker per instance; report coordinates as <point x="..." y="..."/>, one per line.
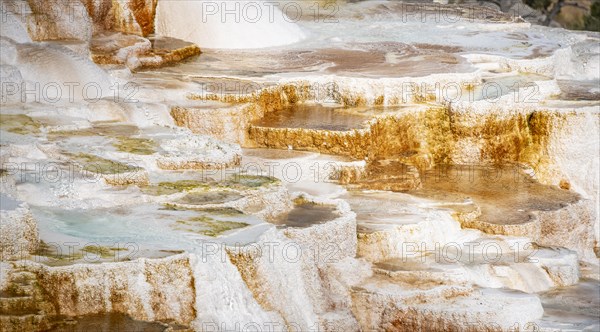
<point x="306" y="213"/>
<point x="505" y="195"/>
<point x="152" y="230"/>
<point x="313" y="117"/>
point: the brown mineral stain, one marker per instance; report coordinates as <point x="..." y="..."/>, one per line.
<point x="144" y="12"/>
<point x="246" y="265"/>
<point x="564" y="184"/>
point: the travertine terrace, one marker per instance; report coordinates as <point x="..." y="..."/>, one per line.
<point x="362" y="166"/>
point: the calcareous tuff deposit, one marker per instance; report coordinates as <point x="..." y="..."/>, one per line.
<point x="361" y="169"/>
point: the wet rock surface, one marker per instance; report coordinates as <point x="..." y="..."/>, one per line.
<point x="137" y="52"/>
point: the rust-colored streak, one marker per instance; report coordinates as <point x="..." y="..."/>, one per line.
<point x="144" y="12"/>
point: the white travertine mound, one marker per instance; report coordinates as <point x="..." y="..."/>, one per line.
<point x="455" y="256"/>
<point x="226" y="122"/>
<point x="19" y="234"/>
<point x="197" y="152"/>
<point x="10" y="75"/>
<point x="337" y="237"/>
<point x="379" y="304"/>
<point x="12" y="27"/>
<point x="293" y="262"/>
<point x="198" y="290"/>
<point x="198" y="22"/>
<point x="54" y="73"/>
<point x="416" y="269"/>
<point x="267" y="203"/>
<point x="223" y="300"/>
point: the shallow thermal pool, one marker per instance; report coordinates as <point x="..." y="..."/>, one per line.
<point x="319" y="117"/>
<point x="505" y="195"/>
<point x="306" y="214"/>
<point x="313" y="117"/>
<point x="147" y="231"/>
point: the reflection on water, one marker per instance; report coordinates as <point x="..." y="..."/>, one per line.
<point x="107" y="323"/>
<point x="313" y="117"/>
<point x="505" y="195"/>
